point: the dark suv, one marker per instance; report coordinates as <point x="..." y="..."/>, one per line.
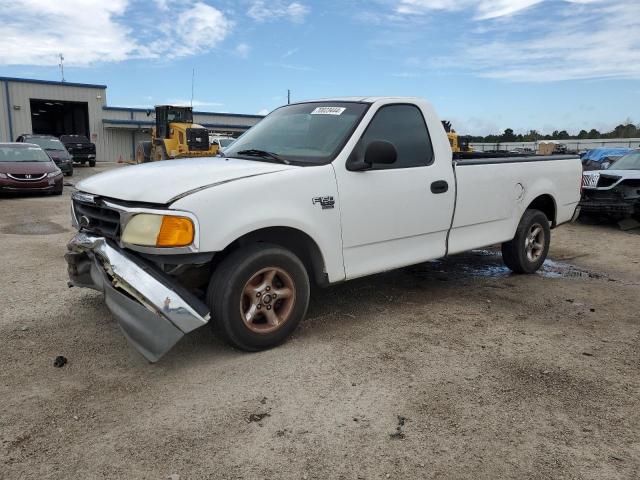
<point x="54" y="148"/>
<point x="80" y="148"/>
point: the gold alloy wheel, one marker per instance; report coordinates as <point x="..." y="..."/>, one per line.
<point x="267" y="300"/>
<point x="534" y="242"/>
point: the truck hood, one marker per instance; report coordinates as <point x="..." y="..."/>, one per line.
<point x="166" y="181"/>
<point x="620" y="173"/>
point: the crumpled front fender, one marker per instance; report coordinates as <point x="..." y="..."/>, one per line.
<point x="153" y="311"/>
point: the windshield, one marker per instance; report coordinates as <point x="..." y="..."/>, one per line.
<point x="46" y="143"/>
<point x="74" y="139"/>
<point x="306" y="133"/>
<point x="628" y="162"/>
<point x="23" y="154"/>
<point x="225" y="142"/>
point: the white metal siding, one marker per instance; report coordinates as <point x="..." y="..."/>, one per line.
<point x="22" y="92"/>
<point x="4" y="121"/>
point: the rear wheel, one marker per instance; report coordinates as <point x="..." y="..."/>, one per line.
<point x="159" y="152"/>
<point x="92" y="163"/>
<point x="143" y="152"/>
<point x="258" y="296"/>
<point x="529" y="248"/>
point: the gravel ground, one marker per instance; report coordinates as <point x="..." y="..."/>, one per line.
<point x="451" y="369"/>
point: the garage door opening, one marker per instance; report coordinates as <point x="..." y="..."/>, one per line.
<point x="54" y="117"/>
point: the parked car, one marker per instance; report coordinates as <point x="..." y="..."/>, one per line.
<point x="54" y="148"/>
<point x="25" y="167"/>
<point x="80" y="148"/>
<point x="613" y="192"/>
<point x="222" y="141"/>
<point x="320" y="192"/>
<point x="602" y="158"/>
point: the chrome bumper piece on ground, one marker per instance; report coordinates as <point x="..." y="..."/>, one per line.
<point x="153" y="312"/>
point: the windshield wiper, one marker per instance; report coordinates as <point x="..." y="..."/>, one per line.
<point x="254" y="152"/>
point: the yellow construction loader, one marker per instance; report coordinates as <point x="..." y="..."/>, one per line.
<point x="175" y="136"/>
<point x="458" y="144"/>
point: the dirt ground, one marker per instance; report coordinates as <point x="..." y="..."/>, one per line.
<point x="451" y="369"/>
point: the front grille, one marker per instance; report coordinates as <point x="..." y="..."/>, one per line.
<point x="81" y="150"/>
<point x="97" y="218"/>
<point x="27" y="177"/>
<point x="198" y="139"/>
<point x="606" y="181"/>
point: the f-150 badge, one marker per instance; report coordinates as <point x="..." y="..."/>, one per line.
<point x="325" y="202"/>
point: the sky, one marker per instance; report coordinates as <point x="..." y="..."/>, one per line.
<point x="486" y="65"/>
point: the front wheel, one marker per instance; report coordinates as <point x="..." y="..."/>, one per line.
<point x="528" y="250"/>
<point x="258" y="295"/>
<point x="92" y="163"/>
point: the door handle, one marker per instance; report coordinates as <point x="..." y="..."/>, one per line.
<point x="439" y="187"/>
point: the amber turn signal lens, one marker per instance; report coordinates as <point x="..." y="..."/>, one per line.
<point x="175" y="232"/>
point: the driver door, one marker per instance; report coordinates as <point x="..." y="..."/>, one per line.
<point x="392" y="215"/>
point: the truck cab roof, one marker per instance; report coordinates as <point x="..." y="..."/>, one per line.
<point x="373" y="99"/>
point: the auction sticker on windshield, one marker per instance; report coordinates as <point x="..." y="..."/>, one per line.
<point x="328" y="111"/>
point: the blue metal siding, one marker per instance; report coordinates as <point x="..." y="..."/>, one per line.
<point x="51" y="82"/>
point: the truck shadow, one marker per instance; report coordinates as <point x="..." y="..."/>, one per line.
<point x="343" y="307"/>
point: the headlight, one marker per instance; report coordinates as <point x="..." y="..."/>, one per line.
<point x="3" y="175"/>
<point x="151" y="230"/>
<point x="54" y="174"/>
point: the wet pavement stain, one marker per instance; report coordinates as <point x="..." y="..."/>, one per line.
<point x="33" y="228"/>
<point x="488" y="264"/>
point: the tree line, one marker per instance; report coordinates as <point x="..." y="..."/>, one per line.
<point x="626" y="130"/>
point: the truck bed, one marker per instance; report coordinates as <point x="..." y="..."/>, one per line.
<point x="482" y="160"/>
<point x="492" y="194"/>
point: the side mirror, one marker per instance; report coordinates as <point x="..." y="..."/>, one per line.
<point x="378" y="152"/>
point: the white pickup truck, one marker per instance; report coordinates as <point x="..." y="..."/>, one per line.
<point x="318" y="192"/>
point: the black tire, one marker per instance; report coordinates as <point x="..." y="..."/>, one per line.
<point x="143" y="152"/>
<point x="69" y="173"/>
<point x="520" y="254"/>
<point x="58" y="192"/>
<point x="226" y="296"/>
<point x="160" y="153"/>
<point x="92" y="163"/>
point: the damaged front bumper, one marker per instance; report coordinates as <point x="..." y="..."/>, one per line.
<point x="153" y="311"/>
<point x="609" y="207"/>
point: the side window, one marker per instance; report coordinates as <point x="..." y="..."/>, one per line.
<point x="404" y="126"/>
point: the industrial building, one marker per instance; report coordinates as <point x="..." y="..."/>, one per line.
<point x="57" y="108"/>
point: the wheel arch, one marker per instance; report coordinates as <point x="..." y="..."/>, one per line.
<point x="547" y="205"/>
<point x="293" y="239"/>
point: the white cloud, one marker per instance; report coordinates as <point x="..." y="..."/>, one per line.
<point x="196" y="103"/>
<point x="290" y="52"/>
<point x="262" y="11"/>
<point x="34" y="32"/>
<point x="601" y="41"/>
<point x="406" y="75"/>
<point x="576" y="39"/>
<point x="264" y="111"/>
<point x="484" y="9"/>
<point x="242" y="50"/>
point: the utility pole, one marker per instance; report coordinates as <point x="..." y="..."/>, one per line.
<point x="193" y="79"/>
<point x="61" y="66"/>
<point x="288" y="97"/>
